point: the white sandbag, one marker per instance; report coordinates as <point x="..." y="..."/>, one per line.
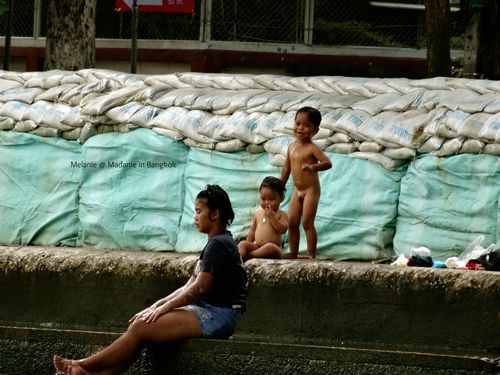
<point x="480" y="86"/>
<point x="112" y="99"/>
<point x="401" y="85"/>
<point x="72" y="79"/>
<point x="122" y="113"/>
<point x="493" y="86"/>
<point x="20" y="77"/>
<point x="204" y="101"/>
<point x="351" y="122"/>
<point x="331" y="81"/>
<point x="382" y="160"/>
<point x="175" y="135"/>
<point x="285" y="83"/>
<point x="44" y="131"/>
<point x="170" y="80"/>
<point x="459" y="83"/>
<point x="25" y="126"/>
<point x="404" y="102"/>
<point x="449" y="147"/>
<point x="493" y="107"/>
<point x="434" y="143"/>
<point x="229" y="82"/>
<point x="429" y="99"/>
<point x="53" y="94"/>
<point x="184" y="97"/>
<point x="370" y="146"/>
<point x="436" y="120"/>
<point x="402" y="153"/>
<point x="231" y="145"/>
<point x="148" y="93"/>
<point x="374" y="127"/>
<point x="334" y="101"/>
<point x="277" y="160"/>
<point x="473" y="125"/>
<point x="47" y="79"/>
<point x="48" y="114"/>
<point x="330" y="117"/>
<point x="97" y="120"/>
<point x="124" y="128"/>
<point x="21" y="94"/>
<point x="7" y="84"/>
<point x="303" y="84"/>
<point x="378" y="86"/>
<point x="217" y="128"/>
<point x="7" y="123"/>
<point x="268" y="81"/>
<point x="490" y="131"/>
<point x="248" y="81"/>
<point x="73" y="118"/>
<point x="376" y="104"/>
<point x="255" y="149"/>
<point x="278" y="145"/>
<point x="72" y="135"/>
<point x="14" y="109"/>
<point x="342" y="148"/>
<point x="259" y="100"/>
<point x="477" y="103"/>
<point x="268" y="124"/>
<point x="316" y="83"/>
<point x="280" y="101"/>
<point x="144" y="116"/>
<point x="407" y="129"/>
<point x="321" y="134"/>
<point x="471" y="146"/>
<point x="104" y="128"/>
<point x="192" y="143"/>
<point x="354" y="86"/>
<point x="244" y="126"/>
<point x="453" y="99"/>
<point x="435" y="83"/>
<point x="492" y="149"/>
<point x="168" y="118"/>
<point x="455" y="119"/>
<point x="237" y="100"/>
<point x="74" y="96"/>
<point x="322" y="143"/>
<point x="339" y="138"/>
<point x="283" y="125"/>
<point x="190" y="124"/>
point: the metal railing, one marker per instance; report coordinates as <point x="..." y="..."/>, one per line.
<point x="298" y="22"/>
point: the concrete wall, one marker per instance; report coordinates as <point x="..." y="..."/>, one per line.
<point x="312" y="316"/>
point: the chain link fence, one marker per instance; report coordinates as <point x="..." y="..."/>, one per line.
<point x="390" y="23"/>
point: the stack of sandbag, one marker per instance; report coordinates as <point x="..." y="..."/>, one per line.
<point x="388" y="121"/>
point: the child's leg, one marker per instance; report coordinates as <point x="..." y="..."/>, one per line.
<point x="245" y="248"/>
<point x="269" y="251"/>
<point x="310" y="208"/>
<point x="294" y="214"/>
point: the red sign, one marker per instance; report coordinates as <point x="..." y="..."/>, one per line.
<point x="169" y="6"/>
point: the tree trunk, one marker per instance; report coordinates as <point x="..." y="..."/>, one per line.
<point x="437" y="24"/>
<point x="488" y="64"/>
<point x="70" y="41"/>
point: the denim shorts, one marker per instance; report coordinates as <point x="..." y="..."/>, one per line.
<point x="216" y="322"/>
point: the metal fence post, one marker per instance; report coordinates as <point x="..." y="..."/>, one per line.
<point x="205" y="20"/>
<point x="308" y="22"/>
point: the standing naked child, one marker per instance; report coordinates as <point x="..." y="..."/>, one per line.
<point x="304" y="160"/>
<point x="268" y="224"/>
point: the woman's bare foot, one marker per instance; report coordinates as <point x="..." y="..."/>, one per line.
<point x="289" y="256"/>
<point x="61" y="364"/>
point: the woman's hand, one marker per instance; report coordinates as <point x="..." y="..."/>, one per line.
<point x="142" y="314"/>
<point x="154" y="314"/>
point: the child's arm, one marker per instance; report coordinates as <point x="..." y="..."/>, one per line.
<point x="285" y="171"/>
<point x="323" y="162"/>
<point x="279" y="222"/>
<point x="251" y="232"/>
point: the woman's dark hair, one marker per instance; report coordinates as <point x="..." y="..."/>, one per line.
<point x="274" y="184"/>
<point x="217" y="199"/>
<point x="312" y="114"/>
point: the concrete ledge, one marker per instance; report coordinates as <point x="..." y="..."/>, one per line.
<point x="332" y="305"/>
<point x="29" y="351"/>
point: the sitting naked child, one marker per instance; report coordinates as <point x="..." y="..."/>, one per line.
<point x="268" y="225"/>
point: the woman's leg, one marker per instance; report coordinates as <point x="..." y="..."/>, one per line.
<point x="175" y="325"/>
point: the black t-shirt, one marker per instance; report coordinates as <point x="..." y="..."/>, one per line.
<point x="221" y="258"/>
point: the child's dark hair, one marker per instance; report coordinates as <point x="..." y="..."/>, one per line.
<point x="312" y="114"/>
<point x="217" y="199"/>
<point x="273" y="183"/>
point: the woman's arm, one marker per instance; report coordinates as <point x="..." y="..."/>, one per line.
<point x="188" y="294"/>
